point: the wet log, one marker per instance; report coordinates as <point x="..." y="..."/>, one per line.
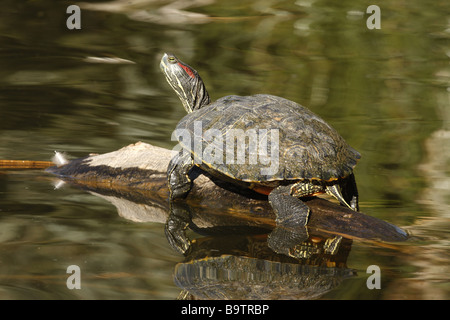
<point x="138" y="172"/>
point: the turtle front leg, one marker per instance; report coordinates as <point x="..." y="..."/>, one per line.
<point x="178" y="175"/>
<point x="291" y="219"/>
<point x="179" y="186"/>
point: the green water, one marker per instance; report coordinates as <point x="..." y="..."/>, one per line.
<point x="385" y="90"/>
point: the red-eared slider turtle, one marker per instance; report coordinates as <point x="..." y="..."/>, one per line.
<point x="307" y="156"/>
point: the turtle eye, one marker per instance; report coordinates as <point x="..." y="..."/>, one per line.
<point x="171" y="59"/>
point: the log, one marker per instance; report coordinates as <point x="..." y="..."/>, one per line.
<point x="24" y="164"/>
<point x="137" y="174"/>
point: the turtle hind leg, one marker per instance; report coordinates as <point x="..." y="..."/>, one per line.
<point x="291" y="219"/>
<point x="289" y="210"/>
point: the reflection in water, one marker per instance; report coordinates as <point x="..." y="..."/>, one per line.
<point x="174" y="13"/>
<point x="244" y="267"/>
<point x="231" y="263"/>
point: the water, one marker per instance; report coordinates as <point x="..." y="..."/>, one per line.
<point x="386" y="91"/>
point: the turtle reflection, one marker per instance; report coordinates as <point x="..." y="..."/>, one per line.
<point x="282" y="240"/>
<point x="244" y="267"/>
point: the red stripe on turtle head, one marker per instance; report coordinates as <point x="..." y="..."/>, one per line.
<point x="187" y="69"/>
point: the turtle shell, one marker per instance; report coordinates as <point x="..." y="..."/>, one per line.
<point x="240" y="136"/>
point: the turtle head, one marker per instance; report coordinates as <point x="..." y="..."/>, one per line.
<point x="185" y="81"/>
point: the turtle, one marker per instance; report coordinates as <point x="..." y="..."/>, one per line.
<point x="307" y="156"/>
